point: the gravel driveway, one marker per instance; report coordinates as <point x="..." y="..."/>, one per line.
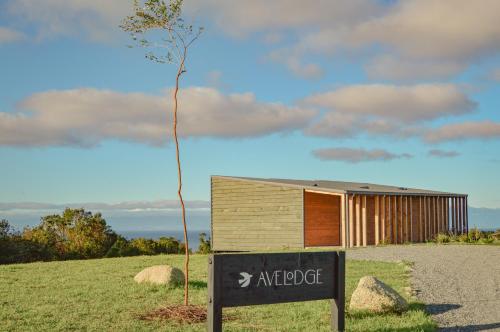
<point x="459" y="283"/>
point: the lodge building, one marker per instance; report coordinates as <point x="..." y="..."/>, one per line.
<point x="261" y="214"/>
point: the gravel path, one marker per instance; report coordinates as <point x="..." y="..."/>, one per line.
<point x="459" y="283"/>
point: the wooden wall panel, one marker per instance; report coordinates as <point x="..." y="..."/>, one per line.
<point x="388" y="219"/>
<point x="370" y="220"/>
<point x="343" y="226"/>
<point x="395" y="219"/>
<point x="364" y="234"/>
<point x="321" y="220"/>
<point x="248" y="215"/>
<point x="377" y="219"/>
<point x="358" y="220"/>
<point x="382" y="218"/>
<point x="352" y="230"/>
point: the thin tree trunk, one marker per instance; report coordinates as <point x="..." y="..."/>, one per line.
<point x="179" y="191"/>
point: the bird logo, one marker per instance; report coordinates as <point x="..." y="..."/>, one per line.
<point x="245" y="279"/>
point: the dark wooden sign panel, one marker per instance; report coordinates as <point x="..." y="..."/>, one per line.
<point x="252" y="279"/>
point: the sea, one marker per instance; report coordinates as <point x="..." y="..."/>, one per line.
<point x="193" y="236"/>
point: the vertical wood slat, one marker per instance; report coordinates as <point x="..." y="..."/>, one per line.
<point x="351" y="220"/>
<point x="411" y="219"/>
<point x="452" y="216"/>
<point x="448" y="226"/>
<point x="438" y="215"/>
<point x="464" y="213"/>
<point x="358" y="220"/>
<point x="467" y="214"/>
<point x="383" y="219"/>
<point x="342" y="222"/>
<point x="459" y="214"/>
<point x="425" y="218"/>
<point x="434" y="212"/>
<point x="403" y="219"/>
<point x="420" y="220"/>
<point x="430" y="218"/>
<point x="363" y="218"/>
<point x="455" y="209"/>
<point x="395" y="219"/>
<point x="407" y="226"/>
<point x="389" y="220"/>
<point x="377" y="220"/>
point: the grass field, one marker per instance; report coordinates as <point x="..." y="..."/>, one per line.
<point x="100" y="295"/>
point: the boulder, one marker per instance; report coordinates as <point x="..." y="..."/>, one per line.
<point x="160" y="275"/>
<point x="374" y="296"/>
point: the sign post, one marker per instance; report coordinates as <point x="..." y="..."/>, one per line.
<point x="252" y="279"/>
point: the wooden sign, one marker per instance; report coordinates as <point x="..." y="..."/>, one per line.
<point x="253" y="279"/>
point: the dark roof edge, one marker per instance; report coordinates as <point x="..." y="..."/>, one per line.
<point x="289" y="185"/>
<point x="339" y="191"/>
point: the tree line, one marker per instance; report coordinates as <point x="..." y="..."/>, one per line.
<point x="79" y="234"/>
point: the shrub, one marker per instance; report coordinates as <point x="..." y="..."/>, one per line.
<point x="464" y="238"/>
<point x="442" y="238"/>
<point x="474" y="234"/>
<point x="485" y="240"/>
<point x="74" y="234"/>
<point x="122" y="248"/>
<point x="168" y="245"/>
<point x="204" y="246"/>
<point x="144" y="246"/>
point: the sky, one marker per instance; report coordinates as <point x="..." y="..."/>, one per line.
<point x="402" y="93"/>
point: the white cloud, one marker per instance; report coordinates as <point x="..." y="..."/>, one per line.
<point x="392" y="68"/>
<point x="8" y="35"/>
<point x="385" y="109"/>
<point x="429" y="29"/>
<point x="240" y="18"/>
<point x="482" y="130"/>
<point x="357" y="155"/>
<point x="405" y="103"/>
<point x="86" y="117"/>
<point x="442" y="153"/>
<point x="426" y="38"/>
<point x="95" y="20"/>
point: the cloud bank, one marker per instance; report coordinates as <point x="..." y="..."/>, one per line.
<point x="357" y="155"/>
<point x="87" y="117"/>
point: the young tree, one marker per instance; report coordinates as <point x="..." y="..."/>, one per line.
<point x="172" y="41"/>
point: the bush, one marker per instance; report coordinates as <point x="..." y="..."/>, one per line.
<point x="442" y="238"/>
<point x="144" y="246"/>
<point x="464" y="238"/>
<point x="204" y="246"/>
<point x="122" y="248"/>
<point x="14" y="249"/>
<point x="474" y="234"/>
<point x="74" y="234"/>
<point x="168" y="245"/>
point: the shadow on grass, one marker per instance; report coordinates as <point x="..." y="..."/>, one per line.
<point x="366" y="314"/>
<point x="196" y="284"/>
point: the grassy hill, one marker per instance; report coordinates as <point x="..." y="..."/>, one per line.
<point x="100" y="295"/>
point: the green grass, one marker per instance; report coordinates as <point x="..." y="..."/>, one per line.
<point x="100" y="295"/>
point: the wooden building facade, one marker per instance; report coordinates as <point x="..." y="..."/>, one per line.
<point x="258" y="214"/>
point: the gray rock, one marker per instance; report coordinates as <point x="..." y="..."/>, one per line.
<point x="161" y="275"/>
<point x="374" y="296"/>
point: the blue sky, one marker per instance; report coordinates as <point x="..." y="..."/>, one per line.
<point x="370" y="91"/>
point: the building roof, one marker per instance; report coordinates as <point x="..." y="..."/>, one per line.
<point x="347" y="187"/>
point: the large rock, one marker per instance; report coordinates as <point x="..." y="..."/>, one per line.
<point x="374" y="296"/>
<point x="161" y="275"/>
